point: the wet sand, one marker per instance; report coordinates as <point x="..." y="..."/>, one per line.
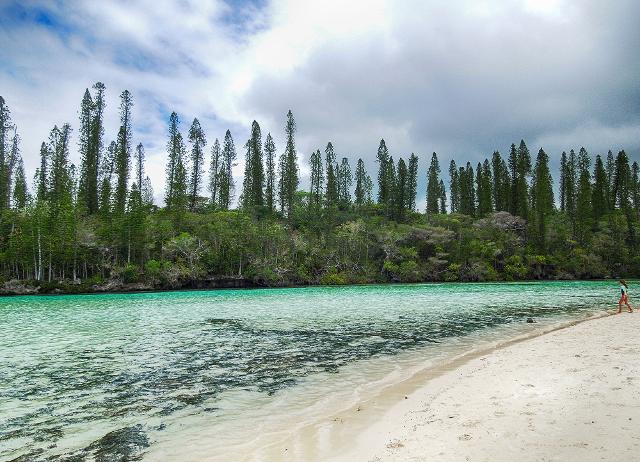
<point x="570" y="394"/>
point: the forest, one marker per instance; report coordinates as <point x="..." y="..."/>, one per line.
<point x="95" y="226"/>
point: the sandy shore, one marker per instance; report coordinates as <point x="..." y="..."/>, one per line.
<point x="569" y="395"/>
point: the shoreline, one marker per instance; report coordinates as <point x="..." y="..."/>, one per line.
<point x="345" y="431"/>
<point x="333" y="437"/>
<point x="243" y="284"/>
<point x="475" y="408"/>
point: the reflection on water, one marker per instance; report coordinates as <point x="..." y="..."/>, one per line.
<point x="103" y="377"/>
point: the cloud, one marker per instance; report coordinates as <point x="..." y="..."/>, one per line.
<point x="460" y="78"/>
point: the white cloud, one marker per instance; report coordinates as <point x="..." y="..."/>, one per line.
<point x="461" y="79"/>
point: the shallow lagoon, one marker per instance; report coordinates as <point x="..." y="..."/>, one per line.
<point x="126" y="376"/>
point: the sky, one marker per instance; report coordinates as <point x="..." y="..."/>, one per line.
<point x="460" y="78"/>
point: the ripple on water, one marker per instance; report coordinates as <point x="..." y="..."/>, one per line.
<point x="96" y="377"/>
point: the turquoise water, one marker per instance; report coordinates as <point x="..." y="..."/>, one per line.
<point x="108" y="377"/>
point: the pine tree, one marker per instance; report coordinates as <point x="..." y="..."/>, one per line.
<point x="611" y="170"/>
<point x="433" y="186"/>
<point x="282" y="182"/>
<point x="487" y="188"/>
<point x="317" y="180"/>
<point x="198" y="142"/>
<point x="12" y="161"/>
<point x="60" y="181"/>
<point x="227" y="184"/>
<point x="214" y="172"/>
<point x="524" y="171"/>
<point x="400" y="198"/>
<point x="20" y="190"/>
<point x="95" y="149"/>
<point x="467" y="190"/>
<point x="5" y="128"/>
<point x="345" y="182"/>
<point x="584" y="212"/>
<point x="384" y="188"/>
<point x="412" y="182"/>
<point x="123" y="154"/>
<point x="622" y="181"/>
<point x="331" y="195"/>
<point x="519" y="170"/>
<point x="86" y="167"/>
<point x="140" y="179"/>
<point x="564" y="170"/>
<point x="106" y="174"/>
<point x="501" y="183"/>
<point x="600" y="196"/>
<point x="542" y="198"/>
<point x="135" y="230"/>
<point x="289" y="169"/>
<point x="176" y="195"/>
<point x="454" y="187"/>
<point x="368" y="190"/>
<point x="257" y="167"/>
<point x="361" y="183"/>
<point x="91" y="164"/>
<point x="270" y="186"/>
<point x="443" y="198"/>
<point x="172" y="151"/>
<point x="570" y="186"/>
<point x="247" y="178"/>
<point x="390" y="179"/>
<point x="42" y="187"/>
<point x="483" y="188"/>
<point x="147" y="192"/>
<point x="512" y="199"/>
<point x="180" y="199"/>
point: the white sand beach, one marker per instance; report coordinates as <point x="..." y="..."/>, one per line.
<point x="569" y="395"/>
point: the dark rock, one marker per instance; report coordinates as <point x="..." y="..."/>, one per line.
<point x="124" y="444"/>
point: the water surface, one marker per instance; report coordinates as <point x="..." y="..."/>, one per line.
<point x="117" y="377"/>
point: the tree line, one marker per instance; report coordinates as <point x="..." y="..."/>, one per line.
<point x="88" y="225"/>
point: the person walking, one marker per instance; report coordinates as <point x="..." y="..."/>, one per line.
<point x="624" y="296"/>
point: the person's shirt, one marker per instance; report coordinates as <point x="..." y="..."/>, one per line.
<point x="623" y="290"/>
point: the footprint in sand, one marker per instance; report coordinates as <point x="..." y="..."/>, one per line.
<point x="395" y="444"/>
<point x="471" y="423"/>
<point x="465" y="437"/>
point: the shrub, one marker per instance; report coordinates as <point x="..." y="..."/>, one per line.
<point x="130" y="273"/>
<point x="334" y="279"/>
<point x="514" y="269"/>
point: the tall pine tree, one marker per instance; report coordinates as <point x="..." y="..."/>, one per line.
<point x="384" y="186"/>
<point x="331" y="195"/>
<point x="542" y="199"/>
<point x="289" y="169"/>
<point x="345" y="181"/>
<point x="270" y="181"/>
<point x="433" y="186"/>
<point x="454" y="187"/>
<point x="317" y="180"/>
<point x="214" y="172"/>
<point x="226" y="177"/>
<point x="412" y="182"/>
<point x="584" y="212"/>
<point x="123" y="154"/>
<point x="600" y="195"/>
<point x="198" y="141"/>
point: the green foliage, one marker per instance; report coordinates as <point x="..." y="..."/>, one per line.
<point x="334" y="279"/>
<point x="96" y="227"/>
<point x="129" y="273"/>
<point x="514" y="269"/>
